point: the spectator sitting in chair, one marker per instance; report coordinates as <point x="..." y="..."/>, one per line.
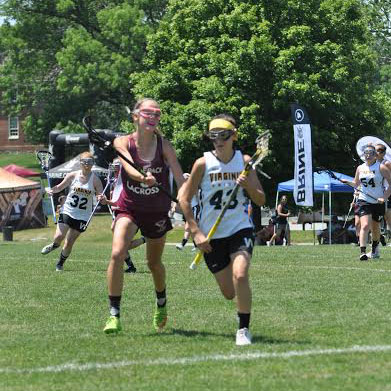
<point x="336" y="232"/>
<point x="264" y="234"/>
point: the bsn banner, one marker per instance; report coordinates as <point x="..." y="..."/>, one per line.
<point x="303" y="188"/>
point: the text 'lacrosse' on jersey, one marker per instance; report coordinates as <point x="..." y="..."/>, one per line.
<point x="135" y="195"/>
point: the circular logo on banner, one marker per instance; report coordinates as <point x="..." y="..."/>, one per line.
<point x="299" y="115"/>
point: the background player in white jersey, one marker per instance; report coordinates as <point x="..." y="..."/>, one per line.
<point x="83" y="185"/>
<point x="195" y="206"/>
<point x="381" y="152"/>
<point x="228" y="254"/>
<point x="370" y="179"/>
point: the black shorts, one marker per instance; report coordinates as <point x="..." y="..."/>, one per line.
<point x="281" y="226"/>
<point x="219" y="258"/>
<point x="78" y="225"/>
<point x="376" y="210"/>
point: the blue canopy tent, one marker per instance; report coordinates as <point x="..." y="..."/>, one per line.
<point x="323" y="183"/>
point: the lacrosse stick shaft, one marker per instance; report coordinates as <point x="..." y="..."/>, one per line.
<point x="98" y="203"/>
<point x="111" y="211"/>
<point x="44" y="157"/>
<point x="332" y="175"/>
<point x="142" y="172"/>
<point x="350" y="210"/>
<point x="213" y="230"/>
<point x="198" y="257"/>
<point x="106" y="142"/>
<point x="267" y="176"/>
<point x="51" y="199"/>
<point x="360" y="191"/>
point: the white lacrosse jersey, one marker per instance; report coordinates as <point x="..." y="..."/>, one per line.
<point x="79" y="201"/>
<point x="216" y="186"/>
<point x="117" y="187"/>
<point x="372" y="182"/>
<point x="384" y="161"/>
<point x="194" y="201"/>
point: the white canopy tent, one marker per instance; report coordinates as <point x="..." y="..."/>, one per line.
<point x="60" y="171"/>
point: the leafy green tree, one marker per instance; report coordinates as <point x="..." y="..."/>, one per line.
<point x="379" y="21"/>
<point x="68" y="57"/>
<point x="252" y="59"/>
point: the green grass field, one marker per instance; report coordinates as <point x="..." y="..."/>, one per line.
<point x="321" y="321"/>
<point x="25" y="159"/>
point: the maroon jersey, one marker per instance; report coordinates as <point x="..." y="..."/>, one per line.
<point x="138" y="196"/>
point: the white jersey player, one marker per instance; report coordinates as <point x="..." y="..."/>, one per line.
<point x="369" y="179"/>
<point x="229" y="252"/>
<point x="381" y="150"/>
<point x="79" y="202"/>
<point x="217" y="184"/>
<point x="83" y="186"/>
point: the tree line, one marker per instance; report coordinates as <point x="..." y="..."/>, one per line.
<point x="62" y="59"/>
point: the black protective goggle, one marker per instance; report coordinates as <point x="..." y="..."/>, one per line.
<point x="219" y="135"/>
<point x="87" y="162"/>
<point x="368" y="153"/>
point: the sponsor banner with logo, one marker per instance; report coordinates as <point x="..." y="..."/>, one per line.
<point x="21" y="208"/>
<point x="303" y="189"/>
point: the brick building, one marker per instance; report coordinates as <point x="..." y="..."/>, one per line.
<point x="12" y="138"/>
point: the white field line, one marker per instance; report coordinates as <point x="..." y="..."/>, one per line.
<point x="348" y="268"/>
<point x="256" y="355"/>
<point x="253" y="264"/>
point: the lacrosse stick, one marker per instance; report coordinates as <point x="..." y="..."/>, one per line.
<point x="111" y="211"/>
<point x="332" y="175"/>
<point x="103" y="142"/>
<point x="44" y="158"/>
<point x="110" y="178"/>
<point x="262" y="142"/>
<point x="350" y="210"/>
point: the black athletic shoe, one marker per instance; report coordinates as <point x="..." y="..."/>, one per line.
<point x="131" y="269"/>
<point x="383" y="240"/>
<point x="363" y="257"/>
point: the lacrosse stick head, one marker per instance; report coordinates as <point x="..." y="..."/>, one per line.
<point x="116" y="164"/>
<point x="95" y="138"/>
<point x="262" y="143"/>
<point x="44" y="158"/>
<point x="329" y="172"/>
<point x="112" y="171"/>
<point x="320" y="169"/>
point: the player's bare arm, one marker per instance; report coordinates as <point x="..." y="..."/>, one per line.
<point x="62" y="185"/>
<point x="121" y="145"/>
<point x="387" y="176"/>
